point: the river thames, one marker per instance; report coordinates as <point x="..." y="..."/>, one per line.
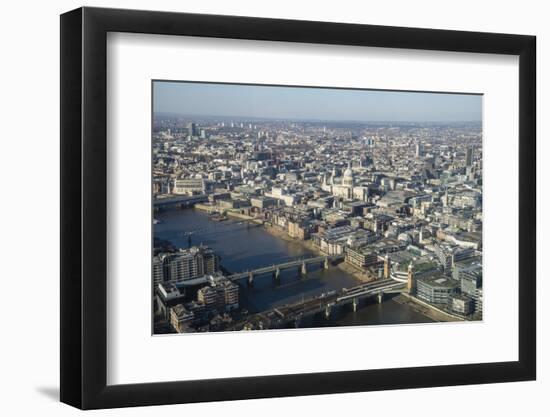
<point x="242" y="247"/>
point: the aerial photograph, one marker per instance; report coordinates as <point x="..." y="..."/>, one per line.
<point x="293" y="207"/>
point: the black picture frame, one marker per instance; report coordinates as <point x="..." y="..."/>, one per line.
<point x="84" y="207"/>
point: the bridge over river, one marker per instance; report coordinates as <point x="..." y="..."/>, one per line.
<point x="324" y="303"/>
<point x="179" y="201"/>
<point x="273" y="270"/>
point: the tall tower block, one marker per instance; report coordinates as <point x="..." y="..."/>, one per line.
<point x="469" y="156"/>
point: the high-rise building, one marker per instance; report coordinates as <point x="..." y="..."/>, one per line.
<point x="469" y="156"/>
<point x="418" y="150"/>
<point x="158" y="270"/>
<point x="192" y="129"/>
<point x="186" y="264"/>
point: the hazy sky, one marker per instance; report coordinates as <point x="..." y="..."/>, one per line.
<point x="202" y="99"/>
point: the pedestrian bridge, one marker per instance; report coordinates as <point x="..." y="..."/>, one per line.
<point x="277" y="268"/>
<point x="274" y="269"/>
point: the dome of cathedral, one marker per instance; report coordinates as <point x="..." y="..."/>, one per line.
<point x="347" y="178"/>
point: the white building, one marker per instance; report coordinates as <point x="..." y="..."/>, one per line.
<point x="189" y="186"/>
<point x="344" y="187"/>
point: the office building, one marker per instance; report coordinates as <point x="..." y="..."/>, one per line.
<point x="471" y="280"/>
<point x="449" y="254"/>
<point x="436" y="289"/>
<point x="462" y="304"/>
<point x="361" y="257"/>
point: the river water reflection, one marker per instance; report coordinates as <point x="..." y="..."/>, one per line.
<point x="243" y="247"/>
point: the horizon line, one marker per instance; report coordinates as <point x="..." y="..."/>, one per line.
<point x="251" y="118"/>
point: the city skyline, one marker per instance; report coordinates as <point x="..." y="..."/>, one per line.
<point x="290" y="216"/>
<point x="263" y="102"/>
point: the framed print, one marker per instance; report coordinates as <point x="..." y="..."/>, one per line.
<point x="257" y="208"/>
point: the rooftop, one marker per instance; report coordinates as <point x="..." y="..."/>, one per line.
<point x="439" y="281"/>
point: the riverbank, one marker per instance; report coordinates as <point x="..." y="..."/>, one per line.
<point x="205" y="207"/>
<point x="243" y="248"/>
<point x="425" y="309"/>
<point x="360" y="275"/>
<point x="308" y="244"/>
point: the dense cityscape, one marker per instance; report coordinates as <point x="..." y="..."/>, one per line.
<point x="396" y="205"/>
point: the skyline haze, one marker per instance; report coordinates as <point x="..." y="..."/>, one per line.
<point x="310" y="103"/>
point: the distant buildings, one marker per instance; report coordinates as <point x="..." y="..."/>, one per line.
<point x="402" y="201"/>
<point x="192" y="130"/>
<point x="469" y="156"/>
<point x="418" y="150"/>
<point x="262" y="202"/>
<point x="281" y="194"/>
